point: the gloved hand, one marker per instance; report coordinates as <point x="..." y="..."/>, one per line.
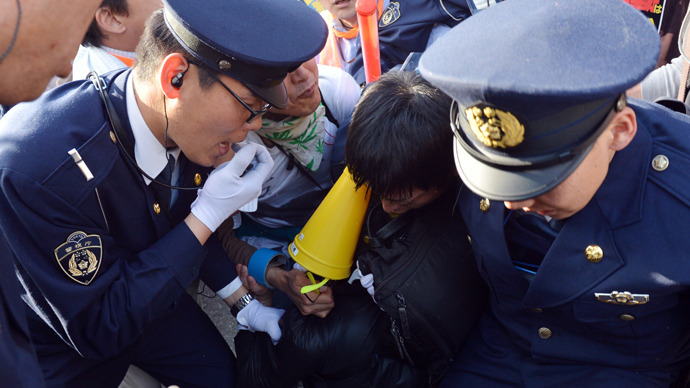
<point x="367" y="281"/>
<point x="227" y="188"/>
<point x="257" y="317"/>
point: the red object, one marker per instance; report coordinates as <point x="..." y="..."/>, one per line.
<point x="369" y="37"/>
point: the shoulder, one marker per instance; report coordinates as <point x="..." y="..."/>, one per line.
<point x="35" y="137"/>
<point x="339" y="90"/>
<point x="665" y="135"/>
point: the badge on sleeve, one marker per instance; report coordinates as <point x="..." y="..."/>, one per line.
<point x="80" y="256"/>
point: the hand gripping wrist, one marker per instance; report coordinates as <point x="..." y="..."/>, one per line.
<point x="229" y="187"/>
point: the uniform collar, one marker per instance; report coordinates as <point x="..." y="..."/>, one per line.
<point x="149" y="153"/>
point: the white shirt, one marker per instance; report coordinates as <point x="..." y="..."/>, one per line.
<point x="97" y="59"/>
<point x="149" y="153"/>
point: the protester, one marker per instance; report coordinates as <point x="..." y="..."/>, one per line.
<point x="301" y="141"/>
<point x="596" y="296"/>
<point x="397" y="131"/>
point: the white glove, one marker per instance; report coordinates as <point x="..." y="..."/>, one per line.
<point x="367" y="281"/>
<point x="227" y="189"/>
<point x="257" y="317"/>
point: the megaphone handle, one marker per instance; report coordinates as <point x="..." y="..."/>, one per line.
<point x="313" y="287"/>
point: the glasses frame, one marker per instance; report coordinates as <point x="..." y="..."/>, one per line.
<point x="253" y="114"/>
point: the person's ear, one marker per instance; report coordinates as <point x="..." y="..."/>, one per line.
<point x="108" y="21"/>
<point x="623" y="127"/>
<point x="172" y="72"/>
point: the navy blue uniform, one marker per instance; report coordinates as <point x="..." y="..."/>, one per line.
<point x="103" y="271"/>
<point x="18" y="364"/>
<point x="556" y="331"/>
<point x="405" y="27"/>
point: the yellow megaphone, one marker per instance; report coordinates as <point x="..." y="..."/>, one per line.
<point x="326" y="245"/>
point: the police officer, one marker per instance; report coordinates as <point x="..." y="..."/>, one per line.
<point x="575" y="198"/>
<point x="104" y="247"/>
<point x="36" y="43"/>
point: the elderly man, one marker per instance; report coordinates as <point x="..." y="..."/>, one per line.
<point x="580" y="209"/>
<point x="301" y="141"/>
<point x="104" y="247"/>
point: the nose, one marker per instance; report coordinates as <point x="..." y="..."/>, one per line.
<point x="392" y="207"/>
<point x="513" y="205"/>
<point x="253" y="125"/>
<point x="299" y="75"/>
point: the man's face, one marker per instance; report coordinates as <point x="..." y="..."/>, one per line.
<point x="342" y="9"/>
<point x="50" y="32"/>
<point x="209" y="121"/>
<point x="404" y="202"/>
<point x="135" y="21"/>
<point x="575" y="192"/>
<point x="303" y="91"/>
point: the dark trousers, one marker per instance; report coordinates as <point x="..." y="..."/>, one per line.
<point x="181" y="347"/>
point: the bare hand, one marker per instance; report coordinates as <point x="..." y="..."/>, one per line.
<point x="291" y="282"/>
<point x="261" y="293"/>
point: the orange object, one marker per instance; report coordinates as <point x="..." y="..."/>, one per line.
<point x="127" y="61"/>
<point x="330" y="55"/>
<point x="369" y="38"/>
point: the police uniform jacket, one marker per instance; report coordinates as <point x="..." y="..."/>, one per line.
<point x="98" y="259"/>
<point x="18" y="364"/>
<point x="405" y="27"/>
<point x="612" y="291"/>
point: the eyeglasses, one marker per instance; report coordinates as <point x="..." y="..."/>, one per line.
<point x="252" y="113"/>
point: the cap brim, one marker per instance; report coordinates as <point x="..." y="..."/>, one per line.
<point x="501" y="185"/>
<point x="274" y="95"/>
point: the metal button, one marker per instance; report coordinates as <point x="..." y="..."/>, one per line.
<point x="197" y="179"/>
<point x="366" y="239"/>
<point x="594" y="253"/>
<point x="112" y="137"/>
<point x="627" y="317"/>
<point x="484" y="205"/>
<point x="536" y="310"/>
<point x="544" y="333"/>
<point x="156" y="208"/>
<point x="660" y="162"/>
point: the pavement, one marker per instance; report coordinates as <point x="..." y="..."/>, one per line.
<point x="219" y="312"/>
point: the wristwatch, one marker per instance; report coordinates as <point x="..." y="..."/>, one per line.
<point x="241" y="303"/>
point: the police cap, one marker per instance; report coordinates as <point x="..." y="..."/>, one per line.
<point x="534" y="83"/>
<point x="256" y="42"/>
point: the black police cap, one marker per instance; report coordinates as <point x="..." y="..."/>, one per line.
<point x="257" y="42"/>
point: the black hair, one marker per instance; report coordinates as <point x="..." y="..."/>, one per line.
<point x="156" y="43"/>
<point x="400" y="136"/>
<point x="94" y="36"/>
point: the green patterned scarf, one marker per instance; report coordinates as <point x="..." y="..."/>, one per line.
<point x="300" y="136"/>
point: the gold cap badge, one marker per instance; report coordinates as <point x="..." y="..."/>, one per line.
<point x="495" y="128"/>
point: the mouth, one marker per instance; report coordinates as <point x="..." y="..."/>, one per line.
<point x="223" y="147"/>
<point x="308" y="92"/>
<point x="341" y="2"/>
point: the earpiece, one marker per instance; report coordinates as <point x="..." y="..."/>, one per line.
<point x="177" y="80"/>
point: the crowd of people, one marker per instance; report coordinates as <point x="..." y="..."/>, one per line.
<point x="525" y="204"/>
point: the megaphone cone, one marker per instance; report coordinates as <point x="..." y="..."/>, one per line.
<point x="326" y="245"/>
